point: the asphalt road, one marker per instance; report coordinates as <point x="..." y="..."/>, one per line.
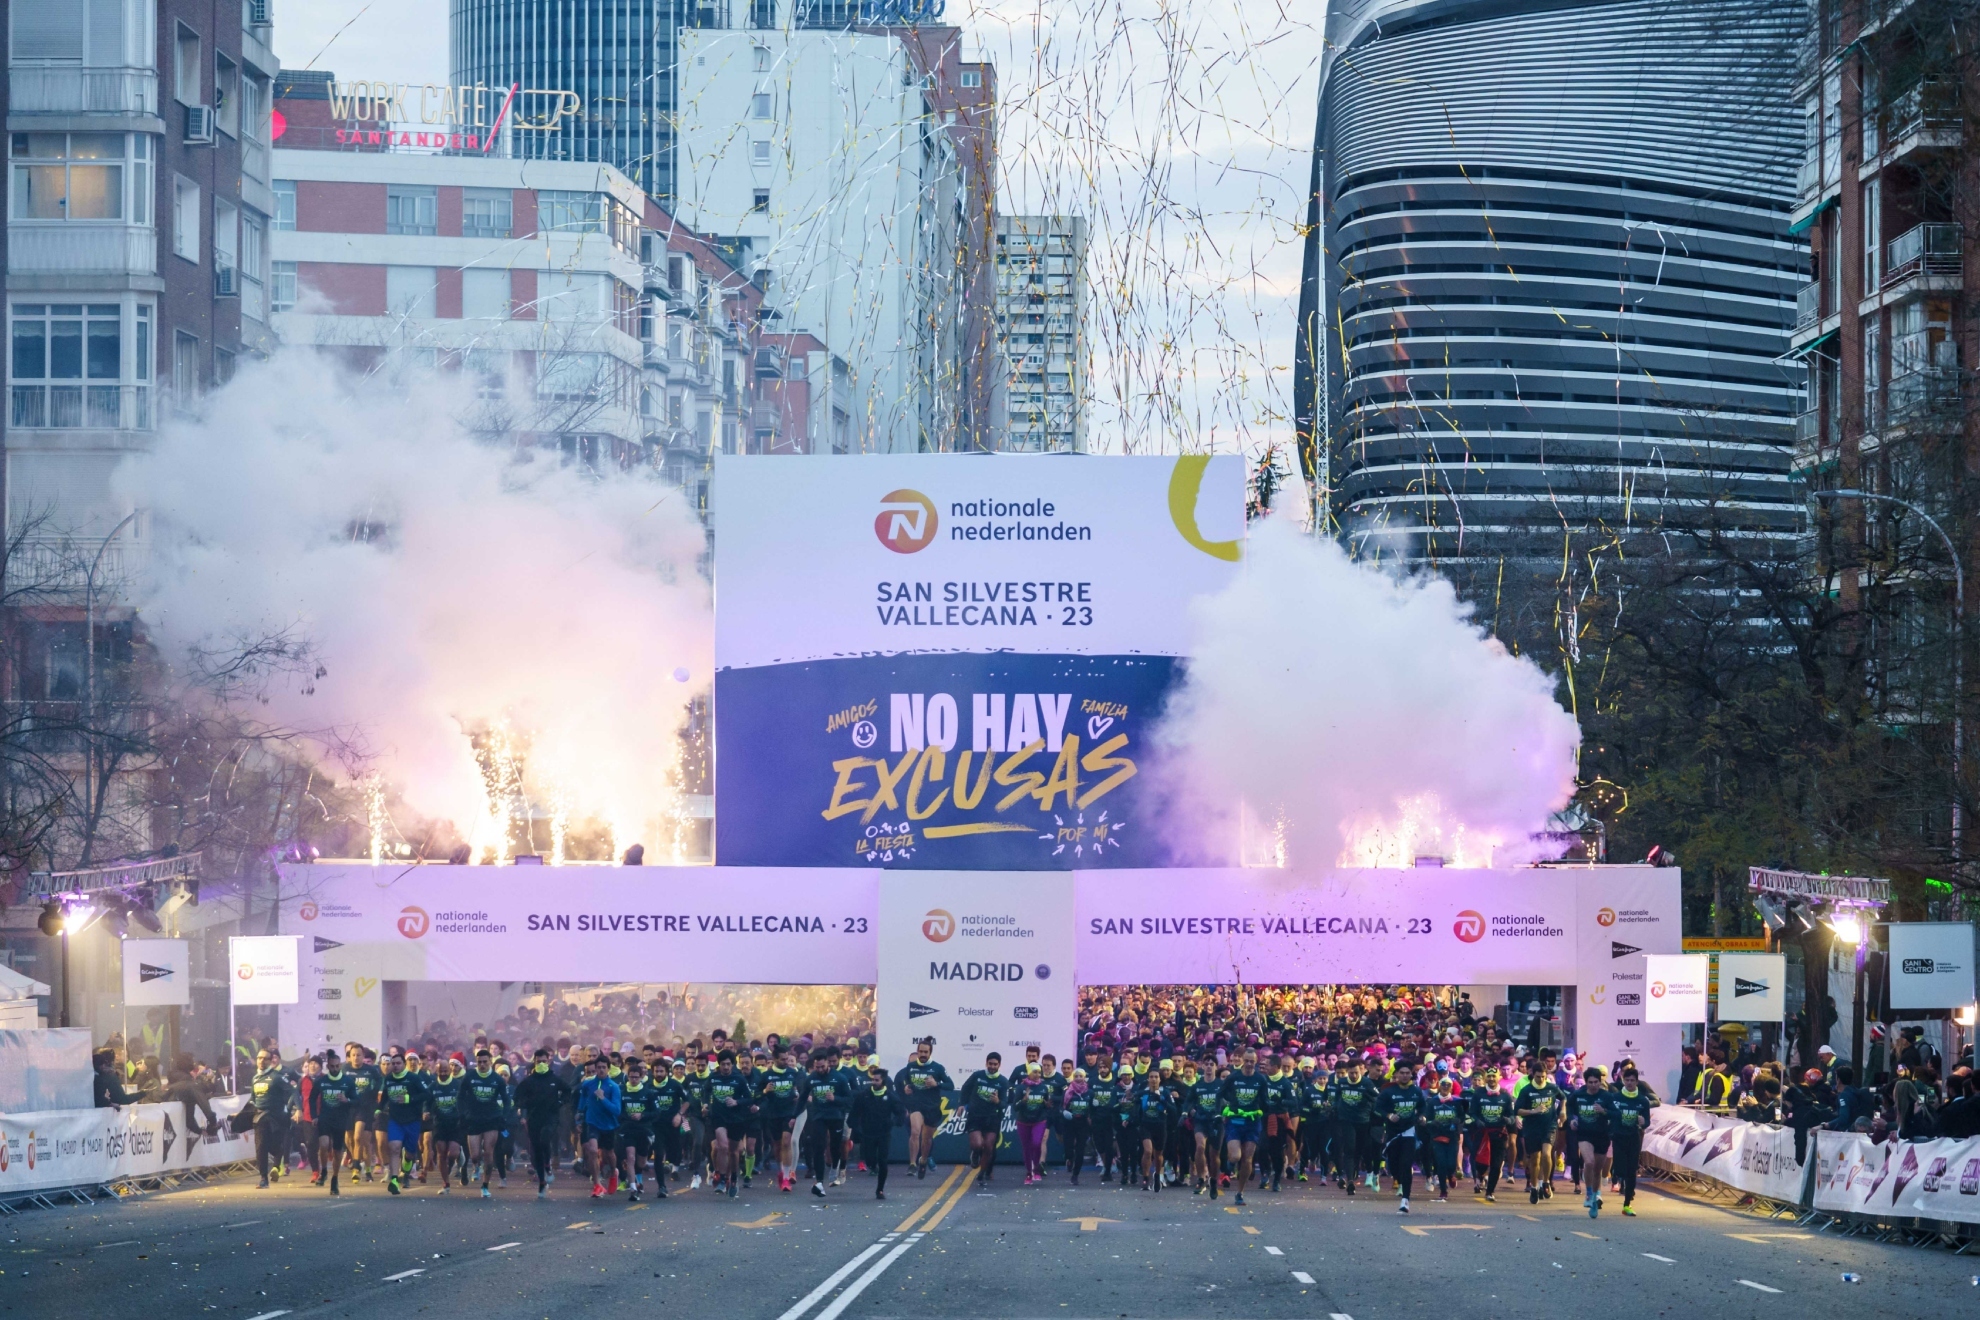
<point x="939" y="1248"/>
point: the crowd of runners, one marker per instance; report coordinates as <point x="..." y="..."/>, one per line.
<point x="1200" y="1090"/>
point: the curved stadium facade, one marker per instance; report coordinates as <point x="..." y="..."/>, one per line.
<point x="1549" y="280"/>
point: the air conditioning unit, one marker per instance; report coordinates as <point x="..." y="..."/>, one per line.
<point x="199" y="125"/>
<point x="226" y="282"/>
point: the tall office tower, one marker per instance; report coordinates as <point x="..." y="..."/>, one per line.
<point x="1549" y="278"/>
<point x="617" y="58"/>
<point x="1041" y="329"/>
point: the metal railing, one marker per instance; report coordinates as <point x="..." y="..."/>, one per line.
<point x="71" y="91"/>
<point x="1929" y="109"/>
<point x="79" y="405"/>
<point x="1807" y="305"/>
<point x="1928" y="249"/>
<point x="1924" y="394"/>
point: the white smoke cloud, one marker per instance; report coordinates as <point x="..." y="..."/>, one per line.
<point x="446" y="585"/>
<point x="1361" y="719"/>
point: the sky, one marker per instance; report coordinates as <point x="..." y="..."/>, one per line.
<point x="1182" y="130"/>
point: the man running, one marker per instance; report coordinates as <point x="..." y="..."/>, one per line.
<point x="1103" y="1091"/>
<point x="1629" y="1109"/>
<point x="540" y="1097"/>
<point x="1354" y="1115"/>
<point x="1443" y="1128"/>
<point x="1488" y="1111"/>
<point x="1151" y="1129"/>
<point x="777" y="1090"/>
<point x="369" y="1083"/>
<point x="921" y="1085"/>
<point x="874" y="1111"/>
<point x="1203" y="1101"/>
<point x="636" y="1116"/>
<point x="484" y="1097"/>
<point x="825" y="1107"/>
<point x="1589" y="1123"/>
<point x="446" y="1097"/>
<point x="1538" y="1107"/>
<point x="1401" y="1106"/>
<point x="599" y="1102"/>
<point x="269" y="1094"/>
<point x="985" y="1096"/>
<point x="1244" y="1113"/>
<point x="405" y="1098"/>
<point x="731" y="1110"/>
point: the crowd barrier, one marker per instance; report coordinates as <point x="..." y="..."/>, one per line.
<point x="1914" y="1191"/>
<point x="76" y="1151"/>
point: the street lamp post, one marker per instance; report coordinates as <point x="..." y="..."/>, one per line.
<point x="1959" y="644"/>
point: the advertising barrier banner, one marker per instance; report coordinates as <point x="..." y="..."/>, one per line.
<point x="1752" y="1157"/>
<point x="931" y="663"/>
<point x="979" y="967"/>
<point x="83" y="1147"/>
<point x="1899" y="1179"/>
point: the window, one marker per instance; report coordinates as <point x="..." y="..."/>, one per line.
<point x="759" y="200"/>
<point x="486" y="212"/>
<point x="1873" y="343"/>
<point x="574" y="296"/>
<point x="282" y="286"/>
<point x="972" y="77"/>
<point x="187" y="72"/>
<point x="759" y="106"/>
<point x="1873" y="237"/>
<point x="226" y="236"/>
<point x="81" y="176"/>
<point x="760" y="58"/>
<point x="185" y="218"/>
<point x="485" y="294"/>
<point x="573" y="375"/>
<point x="569" y="211"/>
<point x="223" y="366"/>
<point x="66" y="32"/>
<point x="412" y="291"/>
<point x="185" y="370"/>
<point x="66" y="363"/>
<point x="252" y="247"/>
<point x="226" y="95"/>
<point x="411" y="209"/>
<point x="285" y="204"/>
<point x="254" y="126"/>
<point x="759" y="153"/>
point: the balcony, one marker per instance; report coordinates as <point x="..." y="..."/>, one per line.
<point x="79" y="405"/>
<point x="1932" y="251"/>
<point x="81" y="248"/>
<point x="1807" y="306"/>
<point x="79" y="91"/>
<point x="1926" y="118"/>
<point x="1927" y="398"/>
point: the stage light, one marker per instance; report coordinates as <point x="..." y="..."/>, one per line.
<point x="1847" y="928"/>
<point x="145" y="917"/>
<point x="1965" y="1016"/>
<point x="81" y="917"/>
<point x="52" y="918"/>
<point x="1772" y="914"/>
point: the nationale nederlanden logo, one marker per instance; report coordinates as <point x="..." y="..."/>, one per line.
<point x="1606" y="917"/>
<point x="906" y="522"/>
<point x="413" y="921"/>
<point x="1658" y="989"/>
<point x="1469" y="926"/>
<point x="938" y="925"/>
<point x="308" y="911"/>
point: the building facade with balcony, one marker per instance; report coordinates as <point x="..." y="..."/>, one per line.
<point x="1041" y="331"/>
<point x="1545" y="308"/>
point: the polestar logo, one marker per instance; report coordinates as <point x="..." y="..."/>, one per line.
<point x="1743" y="987"/>
<point x="147" y="972"/>
<point x="919" y="1010"/>
<point x="1617" y="949"/>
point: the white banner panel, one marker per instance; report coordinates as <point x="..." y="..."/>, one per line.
<point x="1678" y="987"/>
<point x="82" y="1147"/>
<point x="1931" y="964"/>
<point x="1264" y="927"/>
<point x="265" y="969"/>
<point x="1753" y="1157"/>
<point x="157" y="973"/>
<point x="1623" y="915"/>
<point x="45" y="1068"/>
<point x="341" y="999"/>
<point x="978" y="966"/>
<point x="1752" y="987"/>
<point x="1899" y="1179"/>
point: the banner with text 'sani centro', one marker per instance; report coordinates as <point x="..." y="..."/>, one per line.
<point x="953" y="661"/>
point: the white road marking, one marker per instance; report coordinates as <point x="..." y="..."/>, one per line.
<point x="129" y="1242"/>
<point x="1273" y="1251"/>
<point x="505" y="1246"/>
<point x="250" y="1223"/>
<point x="845" y="1298"/>
<point x="267" y="1315"/>
<point x="1654" y="1256"/>
<point x="1757" y="1287"/>
<point x="402" y="1274"/>
<point x="1339" y="1315"/>
<point x="832" y="1281"/>
<point x="1302" y="1276"/>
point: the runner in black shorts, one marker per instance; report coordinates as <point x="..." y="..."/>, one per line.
<point x="777" y="1094"/>
<point x="338" y="1090"/>
<point x="444" y="1094"/>
<point x="1590" y="1122"/>
<point x="921" y="1085"/>
<point x="636" y="1114"/>
<point x="985" y="1096"/>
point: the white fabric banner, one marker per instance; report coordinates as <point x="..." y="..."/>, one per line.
<point x="1931" y="964"/>
<point x="1680" y="987"/>
<point x="1752" y="987"/>
<point x="266" y="969"/>
<point x="979" y="967"/>
<point x="1752" y="1157"/>
<point x="82" y="1147"/>
<point x="45" y="1068"/>
<point x="157" y="973"/>
<point x="1899" y="1179"/>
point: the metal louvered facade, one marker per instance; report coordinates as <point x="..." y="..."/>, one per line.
<point x="1549" y="280"/>
<point x="616" y="55"/>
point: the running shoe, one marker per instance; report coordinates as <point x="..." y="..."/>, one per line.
<point x="1627" y="1211"/>
<point x="695" y="1186"/>
<point x="818" y="1189"/>
<point x="597" y="1190"/>
<point x="633" y="1198"/>
<point x="487" y="1195"/>
<point x="732" y="1187"/>
<point x="392" y="1186"/>
<point x="1240" y="1199"/>
<point x="1491" y="1199"/>
<point x="1594" y="1209"/>
<point x="612" y="1183"/>
<point x="1402" y="1207"/>
<point x="879" y="1195"/>
<point x="542" y="1194"/>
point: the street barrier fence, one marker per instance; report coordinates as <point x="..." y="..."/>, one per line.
<point x="58" y="1150"/>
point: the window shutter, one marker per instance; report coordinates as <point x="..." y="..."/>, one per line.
<point x="106" y="34"/>
<point x="47" y="30"/>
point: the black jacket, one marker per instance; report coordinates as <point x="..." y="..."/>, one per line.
<point x="541" y="1097"/>
<point x="110" y="1092"/>
<point x="874" y="1116"/>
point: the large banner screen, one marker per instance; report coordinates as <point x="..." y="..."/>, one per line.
<point x="933" y="662"/>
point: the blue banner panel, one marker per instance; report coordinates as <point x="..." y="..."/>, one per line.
<point x="940" y="762"/>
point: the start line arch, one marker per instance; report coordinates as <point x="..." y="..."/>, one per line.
<point x="985" y="960"/>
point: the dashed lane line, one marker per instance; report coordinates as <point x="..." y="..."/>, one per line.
<point x="1654" y="1256"/>
<point x="1273" y="1251"/>
<point x="1757" y="1287"/>
<point x="402" y="1274"/>
<point x="267" y="1315"/>
<point x="1301" y="1276"/>
<point x="504" y="1246"/>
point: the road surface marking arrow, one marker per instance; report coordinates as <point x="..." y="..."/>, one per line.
<point x="1764" y="1238"/>
<point x="1089" y="1223"/>
<point x="1425" y="1230"/>
<point x="1249" y="1229"/>
<point x="770" y="1220"/>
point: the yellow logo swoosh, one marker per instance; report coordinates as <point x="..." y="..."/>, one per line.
<point x="1184" y="485"/>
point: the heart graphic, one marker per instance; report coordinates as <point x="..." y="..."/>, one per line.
<point x="1098" y="725"/>
<point x="364" y="985"/>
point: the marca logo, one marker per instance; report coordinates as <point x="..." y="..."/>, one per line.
<point x="1617" y="949"/>
<point x="1918" y="966"/>
<point x="146" y="972"/>
<point x="907" y="521"/>
<point x="919" y="1010"/>
<point x="1629" y="1022"/>
<point x="1606" y="917"/>
<point x="1656" y="989"/>
<point x="1029" y="1014"/>
<point x="1469" y="926"/>
<point x="413" y="922"/>
<point x="308" y="911"/>
<point x="938" y="925"/>
<point x="1628" y="997"/>
<point x="1743" y="987"/>
<point x="324" y="946"/>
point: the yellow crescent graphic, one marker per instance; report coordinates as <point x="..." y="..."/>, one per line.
<point x="1184" y="484"/>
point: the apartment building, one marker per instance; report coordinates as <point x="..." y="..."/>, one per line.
<point x="1041" y="331"/>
